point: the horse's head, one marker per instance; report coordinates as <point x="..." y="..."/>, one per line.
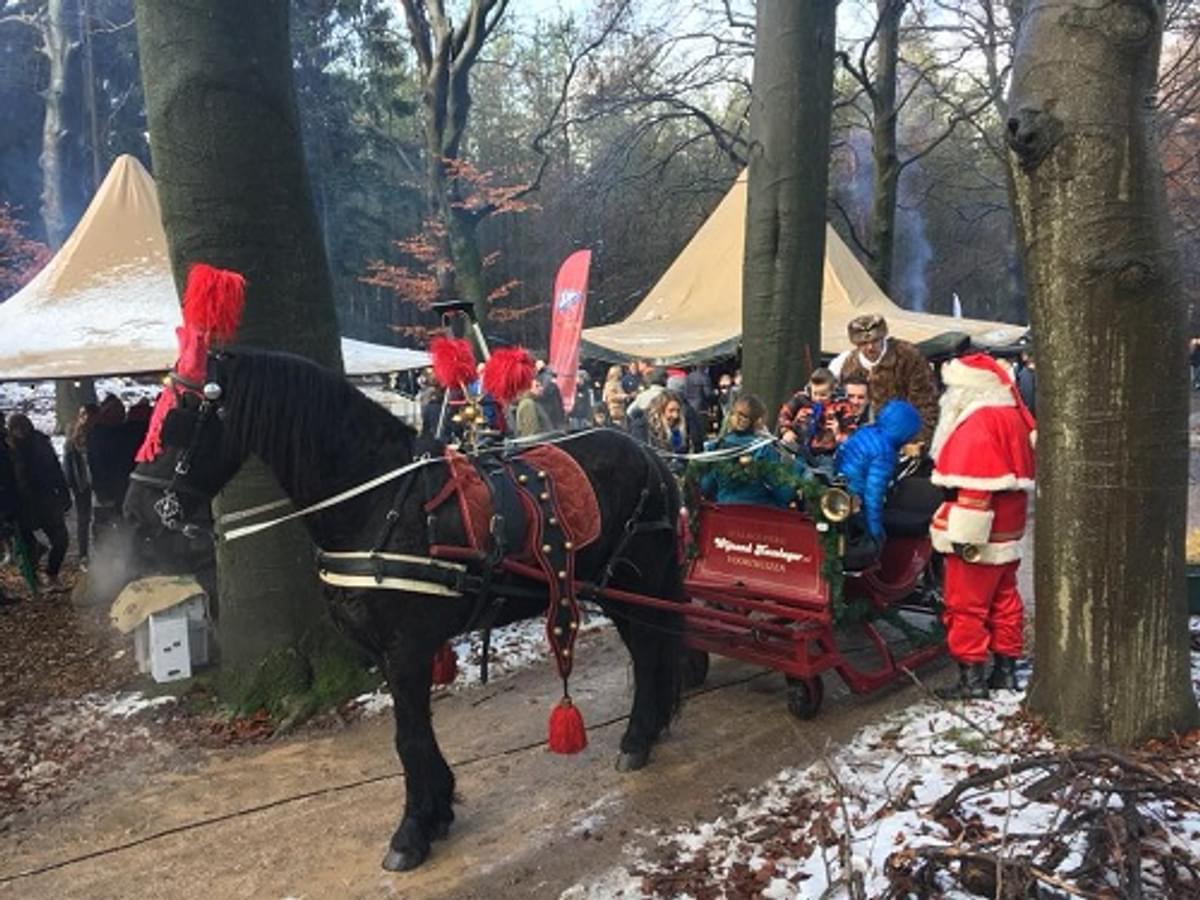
<point x="186" y="459"/>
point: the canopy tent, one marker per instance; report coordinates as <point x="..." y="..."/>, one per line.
<point x="694" y="312"/>
<point x="106" y="303"/>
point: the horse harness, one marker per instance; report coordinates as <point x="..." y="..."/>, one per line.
<point x="525" y="511"/>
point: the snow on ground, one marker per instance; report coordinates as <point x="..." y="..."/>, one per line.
<point x="36" y="399"/>
<point x="41" y="745"/>
<point x="514" y="647"/>
<point x="787" y="838"/>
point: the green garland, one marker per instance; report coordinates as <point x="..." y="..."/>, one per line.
<point x="745" y="470"/>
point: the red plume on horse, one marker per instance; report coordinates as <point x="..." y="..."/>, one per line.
<point x="508" y="374"/>
<point x="213" y="302"/>
<point x="453" y="362"/>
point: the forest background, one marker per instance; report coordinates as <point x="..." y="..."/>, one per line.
<point x="611" y="124"/>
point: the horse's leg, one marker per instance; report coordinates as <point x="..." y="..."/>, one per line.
<point x="654" y="642"/>
<point x="428" y="781"/>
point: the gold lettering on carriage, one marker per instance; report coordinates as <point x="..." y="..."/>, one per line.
<point x="759" y="549"/>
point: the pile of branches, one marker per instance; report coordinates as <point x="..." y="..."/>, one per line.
<point x="1107" y="833"/>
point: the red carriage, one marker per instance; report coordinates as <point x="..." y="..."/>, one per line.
<point x="761" y="583"/>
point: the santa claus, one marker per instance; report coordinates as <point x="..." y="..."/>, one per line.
<point x="982" y="451"/>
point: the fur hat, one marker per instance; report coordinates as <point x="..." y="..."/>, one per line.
<point x="862" y="329"/>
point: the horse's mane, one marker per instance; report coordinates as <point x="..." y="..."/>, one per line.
<point x="308" y="423"/>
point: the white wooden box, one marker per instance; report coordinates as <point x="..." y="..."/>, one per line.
<point x="170" y="643"/>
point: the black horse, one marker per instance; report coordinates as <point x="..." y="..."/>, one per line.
<point x="321" y="436"/>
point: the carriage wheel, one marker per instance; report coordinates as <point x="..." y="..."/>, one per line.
<point x="695" y="668"/>
<point x="805" y="696"/>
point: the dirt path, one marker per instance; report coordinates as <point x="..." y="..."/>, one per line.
<point x="311" y="818"/>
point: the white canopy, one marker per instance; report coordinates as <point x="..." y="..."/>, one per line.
<point x="106" y="303"/>
<point x="694" y="312"/>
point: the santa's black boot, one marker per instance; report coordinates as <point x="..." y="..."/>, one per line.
<point x="972" y="683"/>
<point x="1004" y="673"/>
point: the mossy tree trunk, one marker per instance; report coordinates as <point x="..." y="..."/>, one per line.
<point x="1110" y="320"/>
<point x="226" y="146"/>
<point x="790" y="112"/>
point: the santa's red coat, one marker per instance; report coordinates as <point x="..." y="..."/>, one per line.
<point x="988" y="459"/>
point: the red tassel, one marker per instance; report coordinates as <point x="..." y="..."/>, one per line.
<point x="213" y="301"/>
<point x="453" y="361"/>
<point x="445" y="665"/>
<point x="508" y="374"/>
<point x="567" y="731"/>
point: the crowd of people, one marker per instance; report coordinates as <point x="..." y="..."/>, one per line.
<point x="37" y="491"/>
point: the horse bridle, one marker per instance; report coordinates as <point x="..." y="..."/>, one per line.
<point x="167" y="507"/>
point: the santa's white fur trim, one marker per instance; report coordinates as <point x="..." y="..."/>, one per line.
<point x="996" y="554"/>
<point x="999" y="483"/>
<point x="969" y="526"/>
<point x="956" y="373"/>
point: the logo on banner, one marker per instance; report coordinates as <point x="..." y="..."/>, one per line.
<point x="568" y="297"/>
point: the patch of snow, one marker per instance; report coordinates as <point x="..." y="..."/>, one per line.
<point x="593" y="818"/>
<point x="40" y="743"/>
<point x="793" y="835"/>
<point x="36" y="399"/>
<point x="514" y="647"/>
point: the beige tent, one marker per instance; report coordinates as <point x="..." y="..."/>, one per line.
<point x="695" y="310"/>
<point x="106" y="303"/>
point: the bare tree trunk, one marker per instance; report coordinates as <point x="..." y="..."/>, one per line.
<point x="59" y="42"/>
<point x="446" y="55"/>
<point x="1111" y="625"/>
<point x="788" y="178"/>
<point x="234" y="189"/>
<point x="98" y="156"/>
<point x="886" y="191"/>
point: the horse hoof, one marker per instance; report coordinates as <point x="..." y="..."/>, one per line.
<point x="403" y="860"/>
<point x="631" y="762"/>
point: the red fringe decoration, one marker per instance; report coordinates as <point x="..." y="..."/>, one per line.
<point x="213" y="301"/>
<point x="567" y="732"/>
<point x="445" y="665"/>
<point x="453" y="361"/>
<point x="508" y="374"/>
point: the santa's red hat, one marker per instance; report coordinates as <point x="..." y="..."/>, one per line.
<point x="983" y="373"/>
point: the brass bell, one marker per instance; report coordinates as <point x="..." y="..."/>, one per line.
<point x="544" y="495"/>
<point x="552" y="521"/>
<point x="564" y="602"/>
<point x="557" y="631"/>
<point x="744" y="459"/>
<point x="546" y="548"/>
<point x="567" y="545"/>
<point x="542" y="474"/>
<point x="522" y="478"/>
<point x="562" y="573"/>
<point x="566" y="651"/>
<point x="574" y="626"/>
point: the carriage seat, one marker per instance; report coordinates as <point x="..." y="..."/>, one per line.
<point x="910" y="507"/>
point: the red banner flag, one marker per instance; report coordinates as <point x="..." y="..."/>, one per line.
<point x="566" y="322"/>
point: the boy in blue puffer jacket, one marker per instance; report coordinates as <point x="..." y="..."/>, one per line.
<point x="867" y="460"/>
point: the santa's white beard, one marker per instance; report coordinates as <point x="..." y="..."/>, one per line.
<point x="954" y="404"/>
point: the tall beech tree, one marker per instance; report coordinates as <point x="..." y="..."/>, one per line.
<point x="790" y="115"/>
<point x="1110" y="322"/>
<point x="230" y="169"/>
<point x="446" y="55"/>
